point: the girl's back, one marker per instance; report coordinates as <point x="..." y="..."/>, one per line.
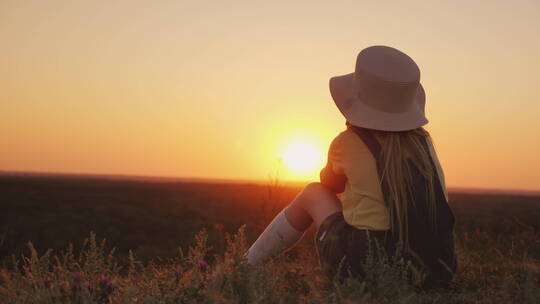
<point x="392" y="181"/>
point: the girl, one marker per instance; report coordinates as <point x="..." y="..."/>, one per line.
<point x="387" y="173"/>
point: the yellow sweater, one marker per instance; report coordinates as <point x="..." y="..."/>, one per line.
<point x="362" y="199"/>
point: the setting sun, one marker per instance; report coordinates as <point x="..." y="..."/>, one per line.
<point x="302" y="157"/>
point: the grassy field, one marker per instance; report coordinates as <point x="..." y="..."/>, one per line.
<point x="161" y="256"/>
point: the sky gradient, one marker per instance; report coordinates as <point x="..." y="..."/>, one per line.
<point x="215" y="88"/>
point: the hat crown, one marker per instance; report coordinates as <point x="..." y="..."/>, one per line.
<point x="387" y="64"/>
<point x="386" y="79"/>
<point x="383" y="93"/>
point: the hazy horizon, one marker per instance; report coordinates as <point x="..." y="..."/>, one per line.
<point x="239" y="181"/>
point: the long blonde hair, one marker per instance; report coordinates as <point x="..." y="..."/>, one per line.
<point x="400" y="151"/>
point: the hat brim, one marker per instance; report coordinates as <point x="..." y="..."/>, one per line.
<point x="360" y="114"/>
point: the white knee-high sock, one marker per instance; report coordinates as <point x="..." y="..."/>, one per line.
<point x="278" y="236"/>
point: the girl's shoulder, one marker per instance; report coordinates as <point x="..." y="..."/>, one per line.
<point x="347" y="140"/>
<point x="343" y="137"/>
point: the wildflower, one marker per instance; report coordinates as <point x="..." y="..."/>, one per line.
<point x="202" y="266"/>
<point x="106" y="284"/>
<point x="58" y="269"/>
<point x="47" y="282"/>
<point x="209" y="278"/>
<point x="178" y="274"/>
<point x="77" y="276"/>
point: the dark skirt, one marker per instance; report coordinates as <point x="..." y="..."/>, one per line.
<point x="343" y="248"/>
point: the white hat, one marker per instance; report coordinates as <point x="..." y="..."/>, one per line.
<point x="384" y="92"/>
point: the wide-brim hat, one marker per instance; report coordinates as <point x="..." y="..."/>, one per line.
<point x="384" y="92"/>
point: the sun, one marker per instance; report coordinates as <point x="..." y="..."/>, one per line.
<point x="302" y="157"/>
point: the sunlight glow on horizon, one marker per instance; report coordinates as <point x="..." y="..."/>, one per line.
<point x="302" y="158"/>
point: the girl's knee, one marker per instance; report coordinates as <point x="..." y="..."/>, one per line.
<point x="319" y="202"/>
<point x="317" y="190"/>
<point x="316" y="193"/>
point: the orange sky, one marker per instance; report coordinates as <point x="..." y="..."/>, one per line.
<point x="216" y="88"/>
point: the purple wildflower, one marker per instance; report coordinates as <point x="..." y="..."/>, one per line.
<point x="209" y="278"/>
<point x="77" y="276"/>
<point x="178" y="274"/>
<point x="105" y="283"/>
<point x="202" y="266"/>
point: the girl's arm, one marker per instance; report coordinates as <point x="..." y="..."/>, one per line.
<point x="332" y="176"/>
<point x="331" y="180"/>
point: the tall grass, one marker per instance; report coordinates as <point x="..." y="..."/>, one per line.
<point x="95" y="276"/>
